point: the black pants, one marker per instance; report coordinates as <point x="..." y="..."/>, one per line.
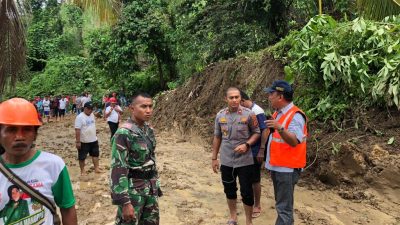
<point x="91" y="148"/>
<point x="113" y="127"/>
<point x="246" y="177"/>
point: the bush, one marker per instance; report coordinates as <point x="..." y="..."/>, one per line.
<point x="66" y="75"/>
<point x="343" y="66"/>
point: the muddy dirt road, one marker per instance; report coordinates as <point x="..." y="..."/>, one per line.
<point x="193" y="194"/>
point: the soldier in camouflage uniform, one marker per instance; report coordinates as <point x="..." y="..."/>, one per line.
<point x="135" y="187"/>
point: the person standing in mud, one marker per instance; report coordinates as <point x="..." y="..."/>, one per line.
<point x="257" y="150"/>
<point x="45" y="172"/>
<point x="113" y="114"/>
<point x="86" y="139"/>
<point x="46" y="108"/>
<point x="286" y="148"/>
<point x="134" y="183"/>
<point x="236" y="129"/>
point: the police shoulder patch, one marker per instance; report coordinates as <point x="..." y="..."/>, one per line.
<point x="222" y="111"/>
<point x="254" y="120"/>
<point x="223" y="120"/>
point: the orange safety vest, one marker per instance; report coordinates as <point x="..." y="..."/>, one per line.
<point x="281" y="153"/>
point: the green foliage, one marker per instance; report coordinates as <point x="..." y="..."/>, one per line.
<point x="43" y="34"/>
<point x="145" y="25"/>
<point x="223" y="29"/>
<point x="117" y="58"/>
<point x="343" y="66"/>
<point x="55" y="30"/>
<point x="65" y="75"/>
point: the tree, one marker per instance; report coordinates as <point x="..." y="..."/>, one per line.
<point x="12" y="42"/>
<point x="144" y="25"/>
<point x="12" y="35"/>
<point x="377" y="10"/>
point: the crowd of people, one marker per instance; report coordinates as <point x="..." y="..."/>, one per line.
<point x="56" y="107"/>
<point x="244" y="138"/>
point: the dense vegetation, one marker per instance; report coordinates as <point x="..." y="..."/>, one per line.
<point x="342" y="62"/>
<point x="345" y="66"/>
<point x="152" y="45"/>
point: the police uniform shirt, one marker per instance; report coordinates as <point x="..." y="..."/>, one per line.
<point x="235" y="128"/>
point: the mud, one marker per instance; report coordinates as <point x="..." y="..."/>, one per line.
<point x="354" y="161"/>
<point x="194" y="194"/>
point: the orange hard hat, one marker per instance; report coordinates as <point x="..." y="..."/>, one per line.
<point x="19" y="112"/>
<point x="112" y="100"/>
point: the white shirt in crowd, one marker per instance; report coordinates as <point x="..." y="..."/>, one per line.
<point x="46" y="105"/>
<point x="114" y="116"/>
<point x="78" y="102"/>
<point x="84" y="99"/>
<point x="87" y="126"/>
<point x="63" y="103"/>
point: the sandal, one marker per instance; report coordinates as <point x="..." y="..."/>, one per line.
<point x="232" y="222"/>
<point x="256" y="212"/>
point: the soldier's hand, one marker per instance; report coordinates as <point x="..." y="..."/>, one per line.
<point x="215" y="165"/>
<point x="241" y="149"/>
<point x="128" y="213"/>
<point x="78" y="145"/>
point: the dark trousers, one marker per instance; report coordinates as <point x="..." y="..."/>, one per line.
<point x="284" y="195"/>
<point x="246" y="177"/>
<point x="113" y="127"/>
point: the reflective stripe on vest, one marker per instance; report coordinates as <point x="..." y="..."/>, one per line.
<point x="281" y="153"/>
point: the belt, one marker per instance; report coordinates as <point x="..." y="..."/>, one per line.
<point x="137" y="174"/>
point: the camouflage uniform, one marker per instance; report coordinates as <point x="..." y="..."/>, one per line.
<point x="132" y="147"/>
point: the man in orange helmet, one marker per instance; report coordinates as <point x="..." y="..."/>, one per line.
<point x="44" y="171"/>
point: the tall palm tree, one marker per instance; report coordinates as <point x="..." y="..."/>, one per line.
<point x="378" y="9"/>
<point x="107" y="10"/>
<point x="12" y="33"/>
<point x="12" y="42"/>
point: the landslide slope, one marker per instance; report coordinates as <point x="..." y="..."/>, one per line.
<point x="192" y="107"/>
<point x="358" y="162"/>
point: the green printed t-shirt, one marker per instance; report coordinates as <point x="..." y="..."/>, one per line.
<point x="48" y="174"/>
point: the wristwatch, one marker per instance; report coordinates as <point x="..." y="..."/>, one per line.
<point x="247" y="145"/>
<point x="281" y="129"/>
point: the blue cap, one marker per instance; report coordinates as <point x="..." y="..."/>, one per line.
<point x="281" y="86"/>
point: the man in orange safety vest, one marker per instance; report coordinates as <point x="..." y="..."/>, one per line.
<point x="286" y="148"/>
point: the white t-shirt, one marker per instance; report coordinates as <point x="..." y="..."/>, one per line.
<point x="63" y="103"/>
<point x="46" y="105"/>
<point x="47" y="174"/>
<point x="84" y="100"/>
<point x="114" y="116"/>
<point x="87" y="126"/>
<point x="78" y="102"/>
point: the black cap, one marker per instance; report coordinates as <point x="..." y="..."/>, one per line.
<point x="88" y="105"/>
<point x="281" y="86"/>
